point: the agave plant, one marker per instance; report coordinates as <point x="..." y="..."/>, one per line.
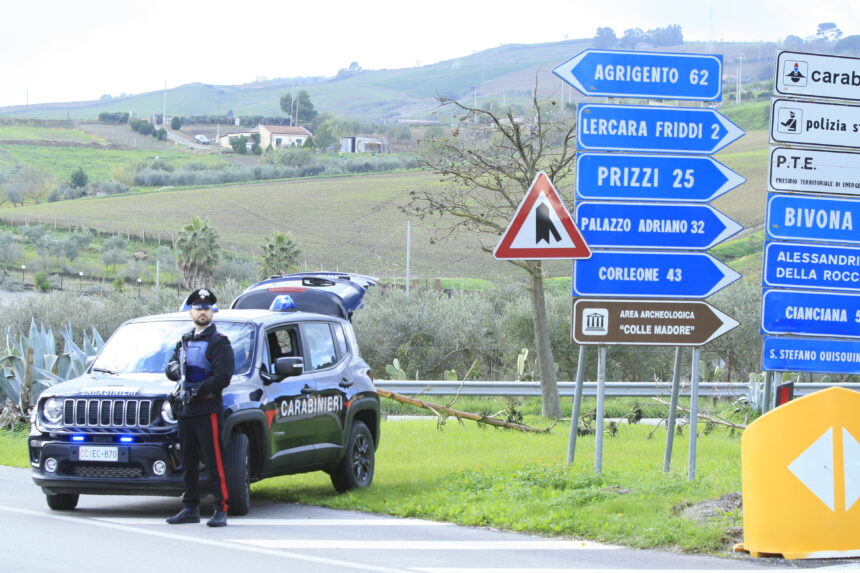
<point x="31" y="363"/>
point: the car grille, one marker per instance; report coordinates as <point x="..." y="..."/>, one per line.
<point x="96" y="470"/>
<point x="107" y="413"/>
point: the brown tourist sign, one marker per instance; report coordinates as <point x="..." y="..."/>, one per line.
<point x="647" y="322"/>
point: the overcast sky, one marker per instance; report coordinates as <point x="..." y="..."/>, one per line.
<point x="66" y="50"/>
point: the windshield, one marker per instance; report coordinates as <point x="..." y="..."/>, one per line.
<point x="147" y="346"/>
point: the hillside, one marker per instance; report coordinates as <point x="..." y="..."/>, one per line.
<point x="503" y="74"/>
<point x="350" y="222"/>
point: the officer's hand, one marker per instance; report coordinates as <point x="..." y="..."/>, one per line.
<point x="173" y="371"/>
<point x="192" y="393"/>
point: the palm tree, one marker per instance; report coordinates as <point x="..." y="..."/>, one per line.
<point x="197" y="253"/>
<point x="280" y="255"/>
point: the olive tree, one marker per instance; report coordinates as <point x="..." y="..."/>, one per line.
<point x="489" y="161"/>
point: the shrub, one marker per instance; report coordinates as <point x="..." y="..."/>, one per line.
<point x="79" y="179"/>
<point x="41" y="282"/>
<point x="117" y="117"/>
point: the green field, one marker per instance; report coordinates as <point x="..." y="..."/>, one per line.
<point x="99" y="164"/>
<point x="46" y="134"/>
<point x="340" y="223"/>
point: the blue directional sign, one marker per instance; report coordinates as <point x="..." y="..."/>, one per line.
<point x="810" y="313"/>
<point x="836" y="356"/>
<point x="811" y="266"/>
<point x="653" y="128"/>
<point x="813" y="218"/>
<point x="644" y="74"/>
<point x="650" y="274"/>
<point x="653" y="225"/>
<point x="655" y="177"/>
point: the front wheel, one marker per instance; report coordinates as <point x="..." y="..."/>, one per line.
<point x="355" y="469"/>
<point x="238" y="470"/>
<point x="62" y="501"/>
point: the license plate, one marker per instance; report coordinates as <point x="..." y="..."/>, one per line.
<point x="98" y="454"/>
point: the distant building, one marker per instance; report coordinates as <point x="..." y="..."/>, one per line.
<point x="282" y="136"/>
<point x="276" y="136"/>
<point x="224" y="140"/>
<point x="358" y="144"/>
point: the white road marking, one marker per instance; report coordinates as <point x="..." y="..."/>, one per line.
<point x="520" y="570"/>
<point x="307" y="522"/>
<point x="419" y="545"/>
<point x="173" y="535"/>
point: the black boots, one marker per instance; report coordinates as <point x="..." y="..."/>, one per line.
<point x="187" y="515"/>
<point x="219" y="518"/>
<point x="192" y="515"/>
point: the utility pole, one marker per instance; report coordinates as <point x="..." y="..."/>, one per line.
<point x="164" y="106"/>
<point x="408" y="252"/>
<point x="740" y="60"/>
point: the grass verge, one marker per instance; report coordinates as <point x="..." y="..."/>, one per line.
<point x="13" y="448"/>
<point x="483" y="477"/>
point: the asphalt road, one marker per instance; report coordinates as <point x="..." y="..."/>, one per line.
<point x="128" y="534"/>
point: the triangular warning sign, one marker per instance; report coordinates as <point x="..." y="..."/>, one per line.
<point x="541" y="228"/>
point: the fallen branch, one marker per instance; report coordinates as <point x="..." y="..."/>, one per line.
<point x="713" y="419"/>
<point x="460" y="415"/>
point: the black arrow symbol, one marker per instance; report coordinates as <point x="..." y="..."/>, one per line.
<point x="544" y="226"/>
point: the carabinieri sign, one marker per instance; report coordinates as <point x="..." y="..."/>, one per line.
<point x="652" y="75"/>
<point x="653" y="128"/>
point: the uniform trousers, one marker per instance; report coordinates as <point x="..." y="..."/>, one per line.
<point x="201" y="434"/>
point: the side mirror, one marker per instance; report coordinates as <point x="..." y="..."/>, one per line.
<point x="289" y="366"/>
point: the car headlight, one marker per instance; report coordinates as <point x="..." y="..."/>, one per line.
<point x="53" y="410"/>
<point x="167" y="412"/>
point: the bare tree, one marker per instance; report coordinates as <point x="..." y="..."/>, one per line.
<point x="490" y="160"/>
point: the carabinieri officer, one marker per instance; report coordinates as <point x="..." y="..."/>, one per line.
<point x="203" y="361"/>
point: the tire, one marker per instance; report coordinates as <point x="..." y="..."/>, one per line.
<point x="355" y="469"/>
<point x="62" y="501"/>
<point x="238" y="473"/>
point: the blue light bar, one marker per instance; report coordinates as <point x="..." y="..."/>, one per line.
<point x="126" y="439"/>
<point x="78" y="438"/>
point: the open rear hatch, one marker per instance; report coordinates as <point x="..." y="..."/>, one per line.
<point x="334" y="294"/>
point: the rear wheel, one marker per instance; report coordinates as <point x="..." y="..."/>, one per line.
<point x="62" y="501"/>
<point x="238" y="470"/>
<point x="355" y="469"/>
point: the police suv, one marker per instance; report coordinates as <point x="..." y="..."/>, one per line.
<point x="301" y="399"/>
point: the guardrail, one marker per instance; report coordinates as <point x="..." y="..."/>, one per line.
<point x="634" y="389"/>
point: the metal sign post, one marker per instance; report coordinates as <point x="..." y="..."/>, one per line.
<point x="673" y="410"/>
<point x="694" y="413"/>
<point x="598" y="420"/>
<point x="577" y="405"/>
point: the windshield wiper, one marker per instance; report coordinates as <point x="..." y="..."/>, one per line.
<point x="105" y="370"/>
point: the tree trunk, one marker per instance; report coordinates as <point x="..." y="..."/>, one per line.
<point x="550" y="403"/>
<point x="27" y="383"/>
